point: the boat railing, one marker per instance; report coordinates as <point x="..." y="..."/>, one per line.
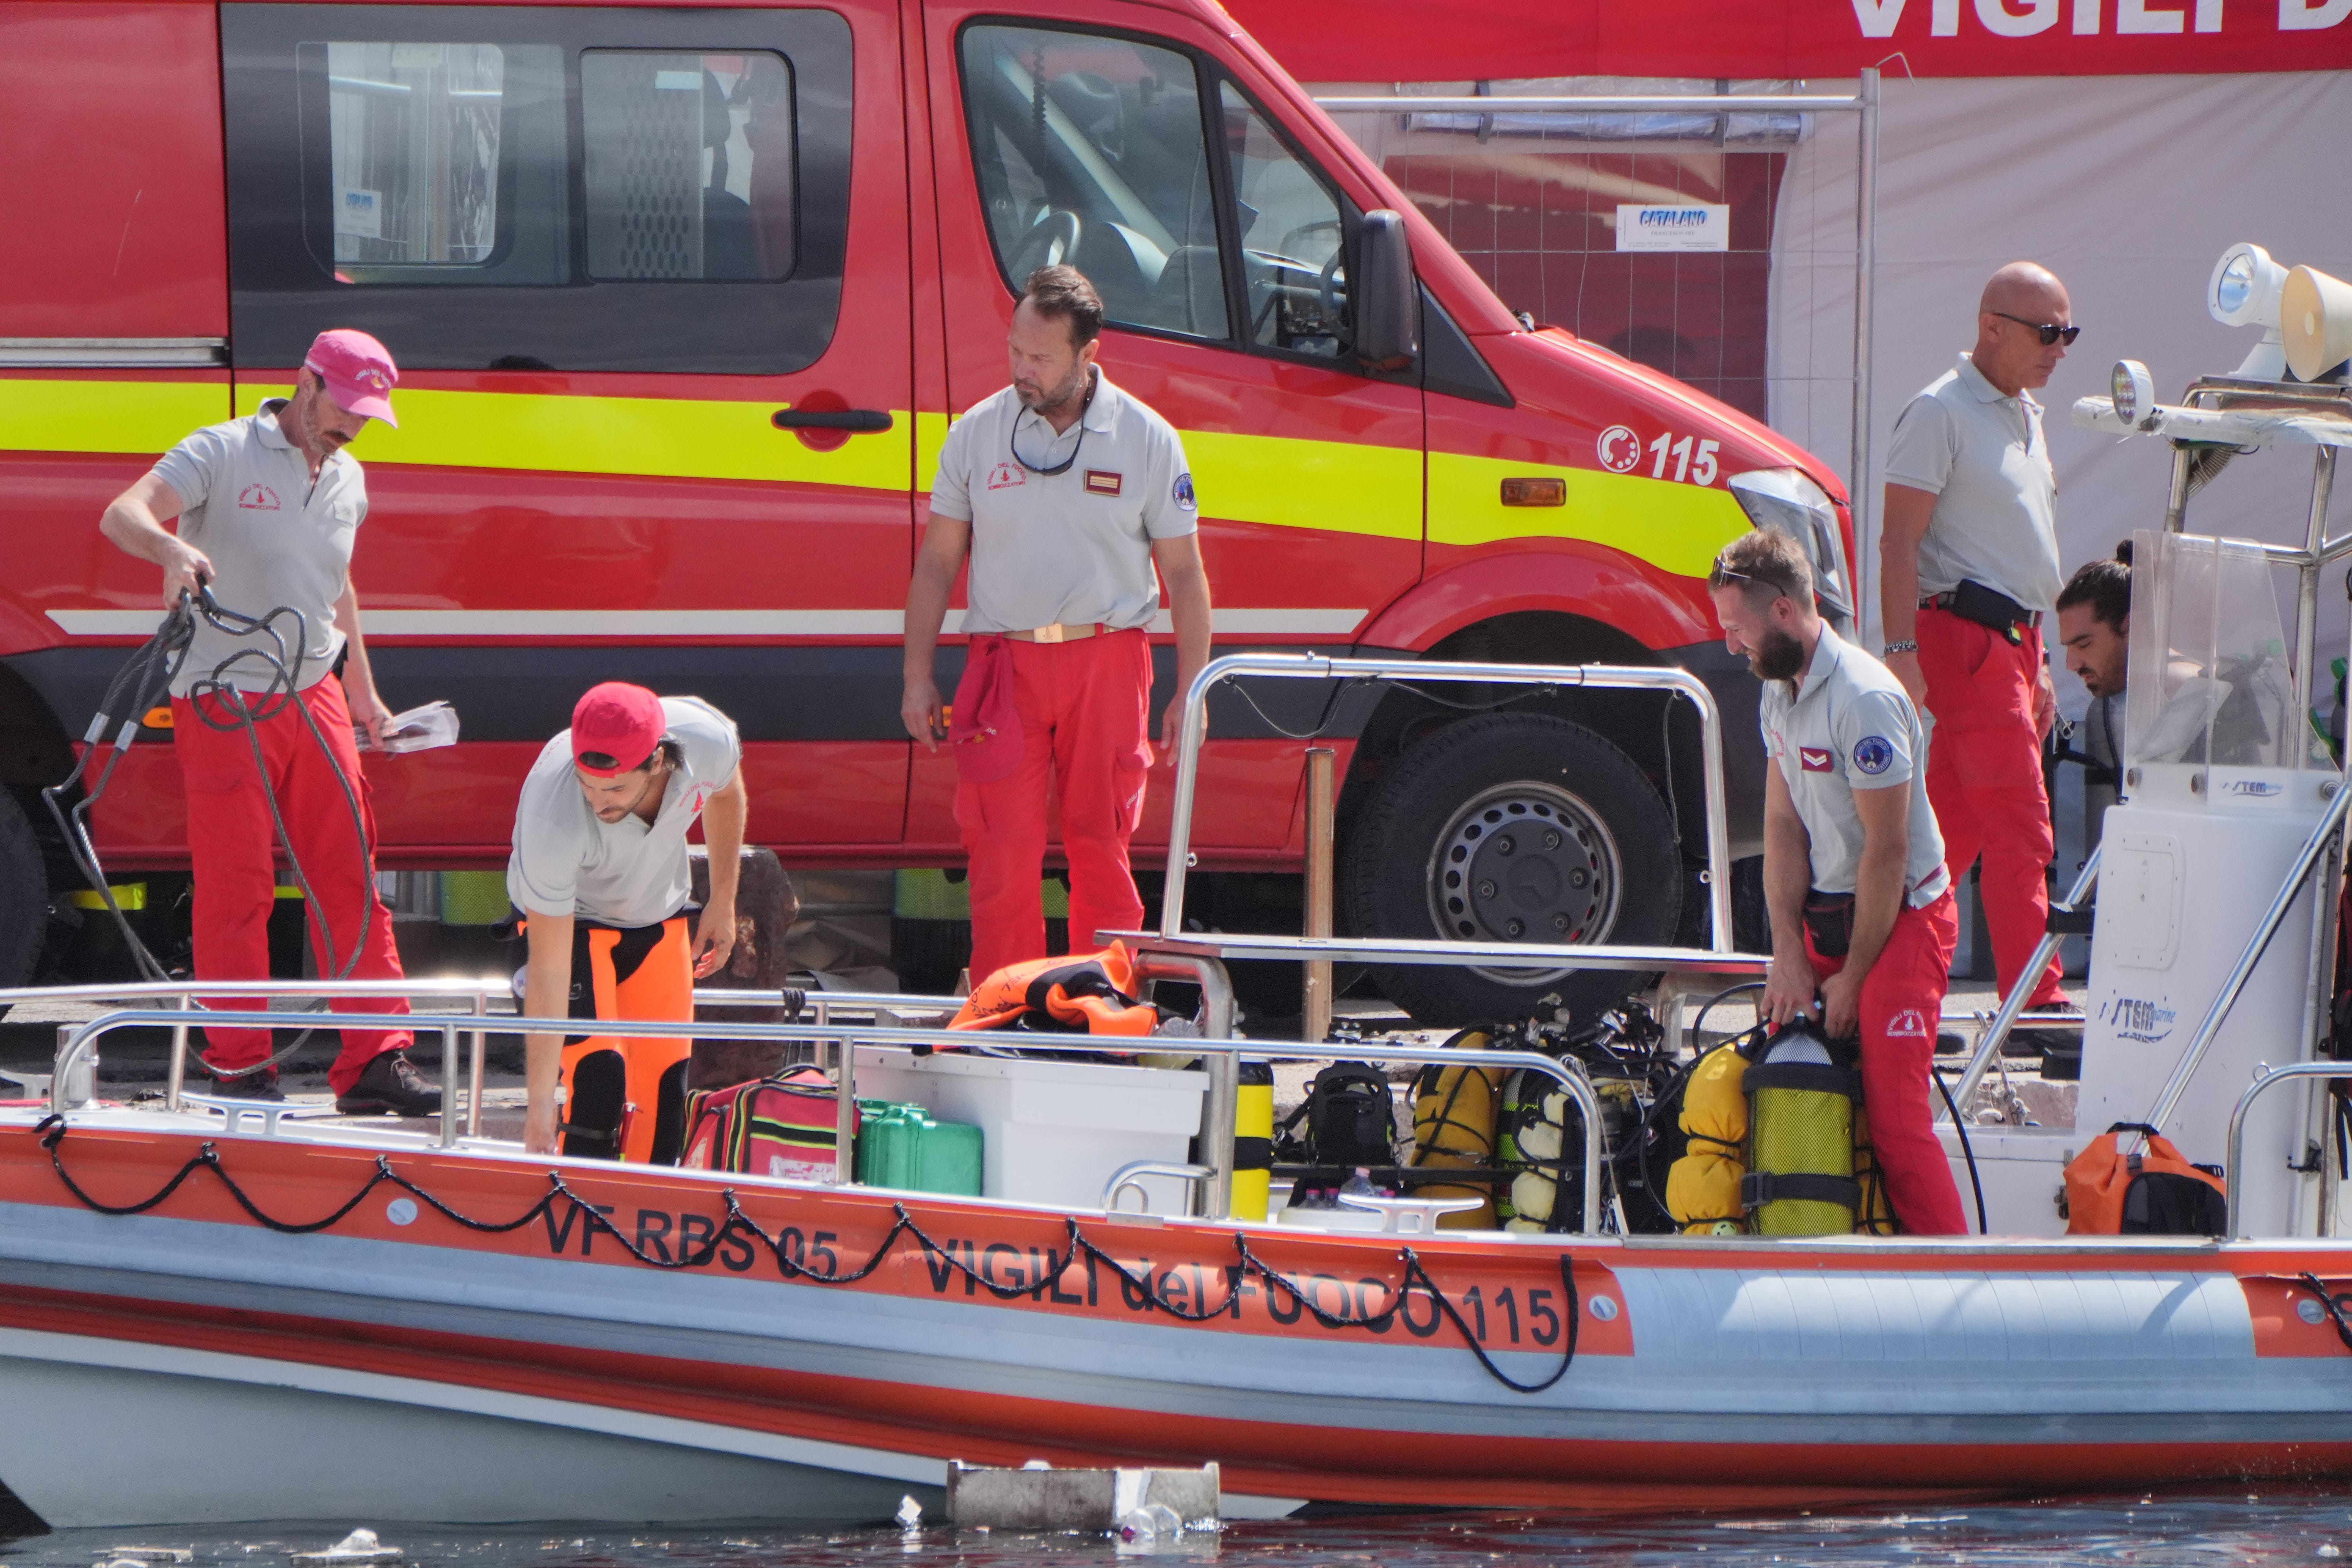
<point x="2268" y="1077"/>
<point x="1717" y="958"/>
<point x="1226" y="1054"/>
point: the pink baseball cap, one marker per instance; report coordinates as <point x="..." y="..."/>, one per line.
<point x="358" y="370"/>
<point x="618" y="720"/>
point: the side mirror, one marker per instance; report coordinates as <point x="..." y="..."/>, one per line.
<point x="1387" y="305"/>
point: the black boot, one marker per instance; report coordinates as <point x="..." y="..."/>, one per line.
<point x="390" y="1084"/>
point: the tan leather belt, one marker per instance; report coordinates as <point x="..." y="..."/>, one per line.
<point x="1059" y="632"/>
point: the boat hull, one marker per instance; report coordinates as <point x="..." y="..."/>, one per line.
<point x="397" y="1364"/>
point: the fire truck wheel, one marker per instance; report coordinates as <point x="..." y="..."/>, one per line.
<point x="1511" y="827"/>
<point x="24" y="895"/>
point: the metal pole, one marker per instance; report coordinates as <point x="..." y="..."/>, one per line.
<point x="2176" y="498"/>
<point x="2307" y="594"/>
<point x="1221" y="1104"/>
<point x="1315" y="1001"/>
<point x="448" y="1085"/>
<point x="1865" y="264"/>
<point x="2235" y="1149"/>
<point x="2289" y="890"/>
<point x="479" y="1042"/>
<point x="175" y="1071"/>
<point x="844" y="1113"/>
<point x="1729" y="103"/>
<point x="1989" y="1044"/>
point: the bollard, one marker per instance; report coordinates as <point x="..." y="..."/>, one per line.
<point x="1315" y="1011"/>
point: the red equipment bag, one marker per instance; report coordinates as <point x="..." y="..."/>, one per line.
<point x="1082" y="993"/>
<point x="2152" y="1193"/>
<point x="770" y="1127"/>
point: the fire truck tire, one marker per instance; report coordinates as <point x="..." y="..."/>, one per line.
<point x="1511" y="827"/>
<point x="24" y="895"/>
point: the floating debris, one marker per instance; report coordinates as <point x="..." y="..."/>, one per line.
<point x="359" y="1546"/>
<point x="150" y="1554"/>
<point x="911" y="1514"/>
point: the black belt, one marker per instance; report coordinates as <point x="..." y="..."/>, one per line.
<point x="1988" y="607"/>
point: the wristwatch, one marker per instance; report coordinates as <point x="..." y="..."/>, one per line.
<point x="1905" y="646"/>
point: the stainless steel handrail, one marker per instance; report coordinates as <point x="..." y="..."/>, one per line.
<point x="2235" y="1148"/>
<point x="1132" y="1175"/>
<point x="1194" y="728"/>
<point x="2193" y="1056"/>
<point x="1989" y="1044"/>
<point x="84" y="1038"/>
<point x="1751" y="103"/>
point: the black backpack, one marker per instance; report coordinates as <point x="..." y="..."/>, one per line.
<point x="1351" y="1116"/>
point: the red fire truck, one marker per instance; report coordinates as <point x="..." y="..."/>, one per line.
<point x="685" y="299"/>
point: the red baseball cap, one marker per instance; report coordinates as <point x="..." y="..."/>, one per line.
<point x="358" y="370"/>
<point x="619" y="721"/>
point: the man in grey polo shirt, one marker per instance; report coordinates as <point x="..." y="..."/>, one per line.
<point x="268" y="508"/>
<point x="1853" y="868"/>
<point x="1969" y="555"/>
<point x="1066" y="493"/>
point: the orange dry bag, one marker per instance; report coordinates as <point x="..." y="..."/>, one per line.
<point x="1083" y="994"/>
<point x="2152" y="1193"/>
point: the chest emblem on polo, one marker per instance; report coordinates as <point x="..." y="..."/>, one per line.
<point x="1872" y="754"/>
<point x="1005" y="476"/>
<point x="259" y="498"/>
<point x="1816" y="759"/>
<point x="1102" y="482"/>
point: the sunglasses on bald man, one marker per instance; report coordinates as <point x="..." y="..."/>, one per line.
<point x="2051" y="332"/>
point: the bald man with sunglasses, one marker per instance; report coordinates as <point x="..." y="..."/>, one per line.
<point x="1969" y="572"/>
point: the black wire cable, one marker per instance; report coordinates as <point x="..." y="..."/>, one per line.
<point x="147" y="676"/>
<point x="1968" y="1152"/>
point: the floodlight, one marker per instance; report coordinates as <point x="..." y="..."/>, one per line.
<point x="2132" y="390"/>
<point x="2317" y="322"/>
<point x="2244" y="292"/>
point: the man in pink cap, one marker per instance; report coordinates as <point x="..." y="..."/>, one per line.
<point x="268" y="508"/>
<point x="599" y="871"/>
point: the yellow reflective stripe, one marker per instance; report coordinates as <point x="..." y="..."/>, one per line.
<point x="1342" y="486"/>
<point x="142" y="416"/>
<point x="1676" y="528"/>
<point x="678" y="437"/>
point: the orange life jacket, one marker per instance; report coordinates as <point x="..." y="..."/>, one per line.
<point x="1084" y="993"/>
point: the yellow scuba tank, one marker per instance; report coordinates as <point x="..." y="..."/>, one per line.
<point x="1703" y="1186"/>
<point x="1454" y="1113"/>
<point x="1875" y="1214"/>
<point x="1801" y="1166"/>
<point x="1252" y="1140"/>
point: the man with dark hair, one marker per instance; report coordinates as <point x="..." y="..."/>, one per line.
<point x="1968" y="558"/>
<point x="2094" y="628"/>
<point x="1064" y="493"/>
<point x="1853" y="866"/>
<point x="601" y="873"/>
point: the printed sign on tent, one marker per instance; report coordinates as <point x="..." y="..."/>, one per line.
<point x="1696" y="226"/>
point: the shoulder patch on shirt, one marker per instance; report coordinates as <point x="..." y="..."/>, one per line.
<point x="1184" y="492"/>
<point x="259" y="498"/>
<point x="1872" y="754"/>
<point x="1816" y="759"/>
<point x="1005" y="475"/>
<point x="1102" y="482"/>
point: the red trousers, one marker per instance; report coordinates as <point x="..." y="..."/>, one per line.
<point x="1984" y="778"/>
<point x="233" y="847"/>
<point x="1083" y="727"/>
<point x="1901" y="999"/>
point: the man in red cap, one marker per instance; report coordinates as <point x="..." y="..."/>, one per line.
<point x="599" y="871"/>
<point x="268" y="508"/>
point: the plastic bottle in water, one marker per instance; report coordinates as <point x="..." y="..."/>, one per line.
<point x="1151" y="1523"/>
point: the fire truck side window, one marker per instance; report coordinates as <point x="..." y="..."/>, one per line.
<point x="538" y="187"/>
<point x="1090" y="151"/>
<point x="1293" y="256"/>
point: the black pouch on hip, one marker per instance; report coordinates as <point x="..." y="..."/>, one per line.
<point x="1992" y="608"/>
<point x="1828" y="921"/>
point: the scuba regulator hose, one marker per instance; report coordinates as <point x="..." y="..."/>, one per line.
<point x="145" y="679"/>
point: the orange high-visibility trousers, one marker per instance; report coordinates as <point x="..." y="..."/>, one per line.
<point x="624" y="1097"/>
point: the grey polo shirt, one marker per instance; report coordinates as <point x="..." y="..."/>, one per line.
<point x="1985" y="459"/>
<point x="1073" y="547"/>
<point x="1848" y="727"/>
<point x="626" y="873"/>
<point x="274" y="537"/>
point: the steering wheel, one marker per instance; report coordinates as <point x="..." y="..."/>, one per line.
<point x="1051" y="240"/>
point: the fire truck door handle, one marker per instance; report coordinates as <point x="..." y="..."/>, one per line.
<point x="857" y="421"/>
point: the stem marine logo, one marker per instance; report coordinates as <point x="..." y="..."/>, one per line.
<point x="2134" y="1018"/>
